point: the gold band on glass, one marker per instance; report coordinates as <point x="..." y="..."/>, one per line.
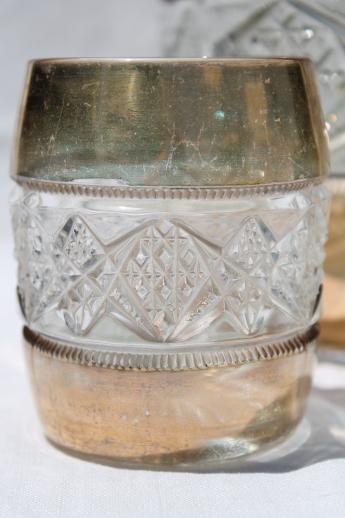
<point x="168" y="416"/>
<point x="171" y="123"/>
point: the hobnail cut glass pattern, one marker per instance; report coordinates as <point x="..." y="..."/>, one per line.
<point x="169" y="271"/>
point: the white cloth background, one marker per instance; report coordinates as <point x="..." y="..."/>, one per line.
<point x="305" y="477"/>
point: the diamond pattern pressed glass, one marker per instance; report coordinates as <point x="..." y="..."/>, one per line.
<point x="169" y="277"/>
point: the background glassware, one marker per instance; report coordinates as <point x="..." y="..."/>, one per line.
<point x="333" y="319"/>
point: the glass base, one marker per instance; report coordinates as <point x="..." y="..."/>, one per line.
<point x="225" y="453"/>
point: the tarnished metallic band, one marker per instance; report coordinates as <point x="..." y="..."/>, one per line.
<point x="152" y="192"/>
<point x="175" y="361"/>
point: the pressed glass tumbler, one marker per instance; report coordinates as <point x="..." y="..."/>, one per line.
<point x="169" y="222"/>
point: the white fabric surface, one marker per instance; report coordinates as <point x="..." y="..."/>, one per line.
<point x="39" y="481"/>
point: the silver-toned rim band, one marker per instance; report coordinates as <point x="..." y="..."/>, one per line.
<point x="161" y="192"/>
<point x="176" y="361"/>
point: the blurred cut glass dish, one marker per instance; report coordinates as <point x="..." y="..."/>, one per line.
<point x="284" y="27"/>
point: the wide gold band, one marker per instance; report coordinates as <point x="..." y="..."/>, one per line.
<point x="167" y="416"/>
<point x="206" y="122"/>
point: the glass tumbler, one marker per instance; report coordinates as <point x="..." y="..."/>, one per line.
<point x="169" y="222"/>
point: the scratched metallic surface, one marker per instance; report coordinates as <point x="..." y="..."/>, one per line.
<point x="171" y="122"/>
